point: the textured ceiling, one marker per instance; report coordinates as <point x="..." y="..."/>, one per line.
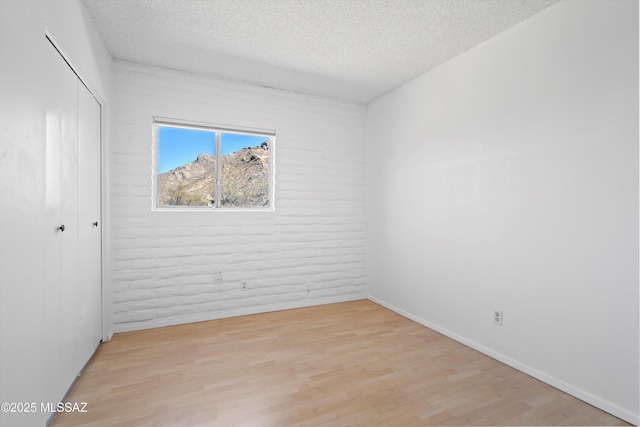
<point x="352" y="50"/>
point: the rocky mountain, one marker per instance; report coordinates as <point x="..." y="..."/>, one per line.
<point x="244" y="180"/>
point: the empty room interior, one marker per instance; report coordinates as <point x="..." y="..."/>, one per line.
<point x="319" y="212"/>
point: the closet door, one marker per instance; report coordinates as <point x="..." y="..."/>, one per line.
<point x="69" y="248"/>
<point x="73" y="314"/>
<point x="89" y="225"/>
<point x="61" y="244"/>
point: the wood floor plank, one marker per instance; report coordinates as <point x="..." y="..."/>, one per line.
<point x="347" y="364"/>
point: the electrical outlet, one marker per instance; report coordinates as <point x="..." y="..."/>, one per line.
<point x="497" y="317"/>
<point x="244" y="285"/>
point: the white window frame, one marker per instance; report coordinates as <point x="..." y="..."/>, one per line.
<point x="188" y="124"/>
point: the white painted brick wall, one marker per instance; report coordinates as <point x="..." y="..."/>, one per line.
<point x="178" y="267"/>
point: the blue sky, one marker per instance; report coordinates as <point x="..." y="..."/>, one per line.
<point x="179" y="146"/>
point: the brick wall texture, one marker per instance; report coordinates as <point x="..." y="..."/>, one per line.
<point x="178" y="267"/>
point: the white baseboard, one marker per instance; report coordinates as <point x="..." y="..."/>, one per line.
<point x="606" y="406"/>
<point x="108" y="336"/>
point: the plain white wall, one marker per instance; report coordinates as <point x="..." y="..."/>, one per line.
<point x="178" y="267"/>
<point x="507" y="178"/>
<point x="25" y="349"/>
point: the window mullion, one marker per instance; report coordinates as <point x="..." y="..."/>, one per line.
<point x="218" y="170"/>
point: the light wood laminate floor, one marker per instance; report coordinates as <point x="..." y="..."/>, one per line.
<point x="347" y="364"/>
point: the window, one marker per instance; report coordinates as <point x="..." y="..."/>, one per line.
<point x="206" y="167"/>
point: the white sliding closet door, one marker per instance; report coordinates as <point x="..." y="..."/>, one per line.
<point x="89" y="224"/>
<point x="69" y="216"/>
<point x="73" y="314"/>
<point x="61" y="116"/>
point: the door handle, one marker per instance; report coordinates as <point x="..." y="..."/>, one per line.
<point x="95" y="224"/>
<point x="61" y="228"/>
